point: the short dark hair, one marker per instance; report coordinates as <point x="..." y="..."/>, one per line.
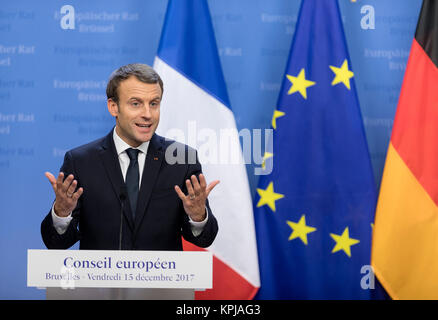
<point x="142" y="72"/>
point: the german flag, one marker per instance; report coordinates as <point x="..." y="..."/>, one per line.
<point x="405" y="235"/>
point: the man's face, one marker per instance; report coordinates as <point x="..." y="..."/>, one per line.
<point x="138" y="112"/>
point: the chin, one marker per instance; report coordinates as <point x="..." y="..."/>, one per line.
<point x="145" y="138"/>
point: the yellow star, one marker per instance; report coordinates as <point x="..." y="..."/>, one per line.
<point x="299" y="84"/>
<point x="277" y="114"/>
<point x="266" y="156"/>
<point x="300" y="230"/>
<point x="342" y="74"/>
<point x="344" y="242"/>
<point x="268" y="196"/>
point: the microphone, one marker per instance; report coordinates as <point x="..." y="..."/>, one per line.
<point x="122" y="196"/>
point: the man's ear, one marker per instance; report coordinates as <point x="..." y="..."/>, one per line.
<point x="113" y="108"/>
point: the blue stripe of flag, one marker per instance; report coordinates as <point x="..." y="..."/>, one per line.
<point x="189" y="46"/>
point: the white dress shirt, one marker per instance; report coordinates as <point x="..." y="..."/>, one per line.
<point x="61" y="223"/>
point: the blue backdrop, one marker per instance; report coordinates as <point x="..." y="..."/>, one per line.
<point x="53" y="73"/>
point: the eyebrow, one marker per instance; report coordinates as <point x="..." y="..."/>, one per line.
<point x="140" y="99"/>
<point x="135" y="98"/>
<point x="155" y="100"/>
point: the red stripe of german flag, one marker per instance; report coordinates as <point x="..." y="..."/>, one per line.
<point x="405" y="235"/>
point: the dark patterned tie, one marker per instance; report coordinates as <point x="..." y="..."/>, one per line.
<point x="132" y="178"/>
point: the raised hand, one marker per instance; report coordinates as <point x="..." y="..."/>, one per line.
<point x="194" y="201"/>
<point x="66" y="194"/>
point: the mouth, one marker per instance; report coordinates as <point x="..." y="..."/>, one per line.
<point x="142" y="125"/>
<point x="144" y="128"/>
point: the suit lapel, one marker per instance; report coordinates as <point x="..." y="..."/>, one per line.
<point x="110" y="161"/>
<point x="154" y="158"/>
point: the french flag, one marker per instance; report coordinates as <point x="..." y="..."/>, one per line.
<point x="196" y="110"/>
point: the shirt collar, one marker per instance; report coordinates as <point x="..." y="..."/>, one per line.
<point x="121" y="145"/>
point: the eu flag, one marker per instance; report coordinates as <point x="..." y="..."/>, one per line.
<point x="314" y="211"/>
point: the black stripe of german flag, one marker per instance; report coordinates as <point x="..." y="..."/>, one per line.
<point x="427" y="29"/>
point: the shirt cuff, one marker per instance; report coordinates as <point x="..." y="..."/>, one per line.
<point x="60" y="223"/>
<point x="198" y="227"/>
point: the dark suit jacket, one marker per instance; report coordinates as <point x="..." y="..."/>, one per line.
<point x="160" y="219"/>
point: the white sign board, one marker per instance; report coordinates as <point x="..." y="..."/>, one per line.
<point x="119" y="269"/>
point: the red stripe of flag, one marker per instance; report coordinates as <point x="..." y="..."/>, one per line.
<point x="223" y="275"/>
<point x="415" y="133"/>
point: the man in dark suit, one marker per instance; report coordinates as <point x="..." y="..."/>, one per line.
<point x="129" y="171"/>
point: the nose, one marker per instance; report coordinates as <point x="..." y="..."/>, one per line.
<point x="146" y="112"/>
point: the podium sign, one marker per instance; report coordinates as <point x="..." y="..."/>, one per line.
<point x="119" y="269"/>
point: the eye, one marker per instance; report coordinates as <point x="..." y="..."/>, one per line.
<point x="135" y="104"/>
